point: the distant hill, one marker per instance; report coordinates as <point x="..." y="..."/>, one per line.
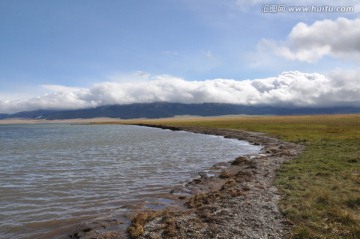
<point x="162" y="110"/>
<point x="4" y="116"/>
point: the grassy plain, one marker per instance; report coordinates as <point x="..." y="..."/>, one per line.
<point x="320" y="188"/>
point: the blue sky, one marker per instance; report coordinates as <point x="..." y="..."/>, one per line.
<point x="80" y="44"/>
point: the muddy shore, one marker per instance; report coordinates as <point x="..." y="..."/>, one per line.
<point x="234" y="199"/>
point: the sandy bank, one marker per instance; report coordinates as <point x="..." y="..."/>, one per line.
<point x="104" y="120"/>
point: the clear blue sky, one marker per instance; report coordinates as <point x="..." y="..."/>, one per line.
<point x="79" y="43"/>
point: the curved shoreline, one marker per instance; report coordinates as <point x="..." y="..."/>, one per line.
<point x="238" y="201"/>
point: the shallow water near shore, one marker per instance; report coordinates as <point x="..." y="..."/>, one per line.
<point x="54" y="176"/>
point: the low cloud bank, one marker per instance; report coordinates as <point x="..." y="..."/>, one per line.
<point x="293" y="89"/>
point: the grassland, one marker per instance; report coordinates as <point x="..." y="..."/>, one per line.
<point x="320" y="188"/>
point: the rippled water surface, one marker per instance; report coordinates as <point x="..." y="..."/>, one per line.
<point x="56" y="175"/>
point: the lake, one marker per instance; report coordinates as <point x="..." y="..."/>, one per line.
<point x="54" y="176"/>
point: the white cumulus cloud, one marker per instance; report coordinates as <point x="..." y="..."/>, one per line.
<point x="338" y="38"/>
<point x="340" y="88"/>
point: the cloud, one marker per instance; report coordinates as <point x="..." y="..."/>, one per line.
<point x="338" y="38"/>
<point x="60" y="88"/>
<point x="340" y="88"/>
<point x="209" y="55"/>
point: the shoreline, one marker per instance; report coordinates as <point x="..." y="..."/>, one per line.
<point x="238" y="200"/>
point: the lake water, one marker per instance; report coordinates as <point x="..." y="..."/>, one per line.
<point x="53" y="176"/>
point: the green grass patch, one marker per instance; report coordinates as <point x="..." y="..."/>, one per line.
<point x="320" y="188"/>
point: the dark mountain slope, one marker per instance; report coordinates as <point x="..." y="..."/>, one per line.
<point x="161" y="110"/>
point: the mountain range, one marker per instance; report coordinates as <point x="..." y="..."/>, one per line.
<point x="163" y="110"/>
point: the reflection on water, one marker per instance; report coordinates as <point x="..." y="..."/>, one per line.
<point x="57" y="175"/>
